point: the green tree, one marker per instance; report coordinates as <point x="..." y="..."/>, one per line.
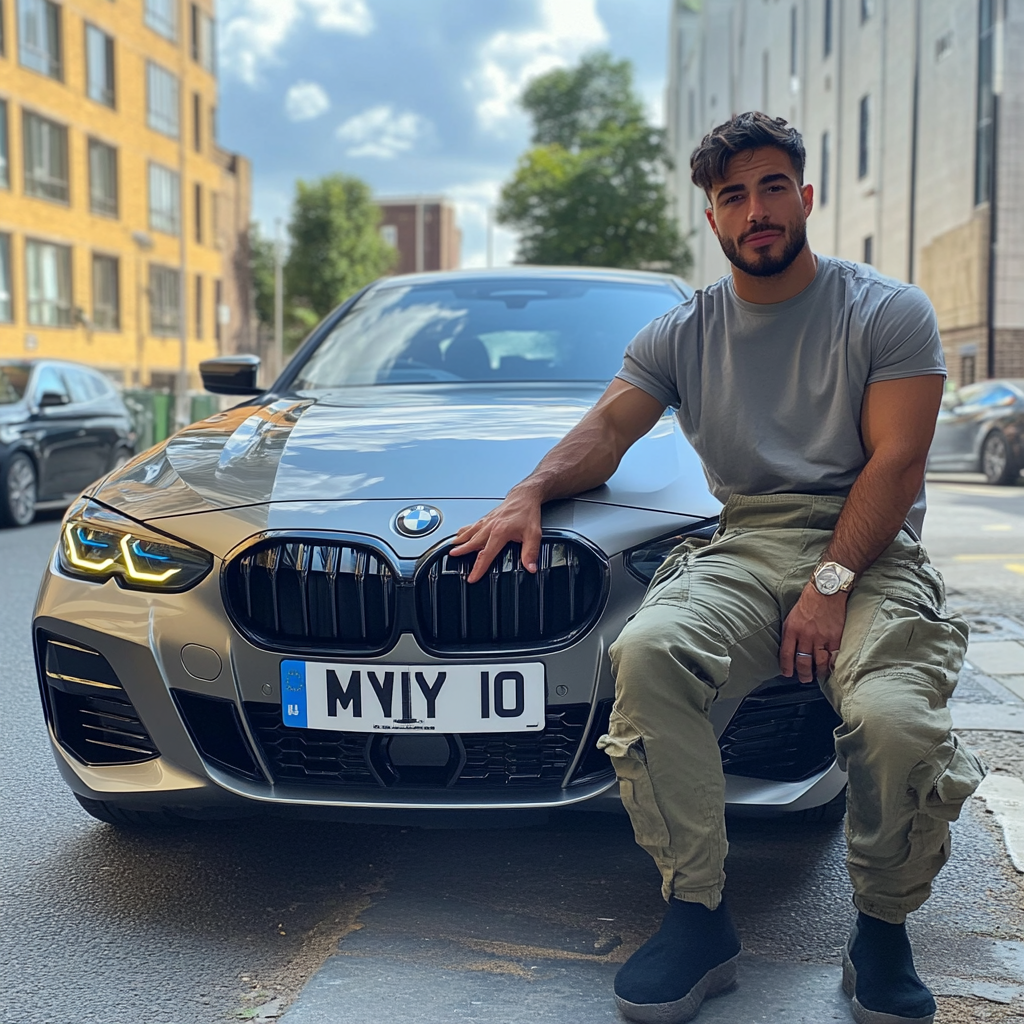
<point x="591" y="191"/>
<point x="262" y="263"/>
<point x="336" y="248"/>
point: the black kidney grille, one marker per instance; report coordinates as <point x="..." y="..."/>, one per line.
<point x="509" y="607"/>
<point x="781" y="732"/>
<point x="313" y="594"/>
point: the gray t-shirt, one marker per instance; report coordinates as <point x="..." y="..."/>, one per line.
<point x="770" y="395"/>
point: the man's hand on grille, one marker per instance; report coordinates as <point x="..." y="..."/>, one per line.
<point x="516" y="519"/>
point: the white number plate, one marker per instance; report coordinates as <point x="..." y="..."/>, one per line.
<point x="351" y="697"/>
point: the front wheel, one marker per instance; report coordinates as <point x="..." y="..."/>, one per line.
<point x="19" y="491"/>
<point x="996" y="462"/>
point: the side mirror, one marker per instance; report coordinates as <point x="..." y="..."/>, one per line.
<point x="49" y="399"/>
<point x="231" y="375"/>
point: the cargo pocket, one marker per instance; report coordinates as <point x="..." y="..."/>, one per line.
<point x="625" y="746"/>
<point x="942" y="796"/>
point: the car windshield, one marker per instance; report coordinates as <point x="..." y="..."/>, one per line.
<point x="515" y="329"/>
<point x="13" y="381"/>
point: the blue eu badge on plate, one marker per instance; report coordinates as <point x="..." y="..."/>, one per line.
<point x="293" y="693"/>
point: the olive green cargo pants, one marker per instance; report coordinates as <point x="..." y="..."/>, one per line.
<point x="710" y="625"/>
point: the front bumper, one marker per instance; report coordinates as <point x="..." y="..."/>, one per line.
<point x="150" y="640"/>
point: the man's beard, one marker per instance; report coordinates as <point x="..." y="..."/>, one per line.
<point x="764" y="264"/>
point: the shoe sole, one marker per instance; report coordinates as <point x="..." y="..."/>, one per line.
<point x="718" y="980"/>
<point x="861" y="1014"/>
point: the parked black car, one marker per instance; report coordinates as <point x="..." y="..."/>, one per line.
<point x="62" y="426"/>
<point x="981" y="430"/>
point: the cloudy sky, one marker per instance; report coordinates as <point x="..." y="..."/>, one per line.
<point x="414" y="96"/>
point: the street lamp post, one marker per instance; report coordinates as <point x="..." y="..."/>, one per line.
<point x="143" y="243"/>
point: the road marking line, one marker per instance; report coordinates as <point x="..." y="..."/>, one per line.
<point x="993" y="527"/>
<point x="1004" y="797"/>
<point x="1015" y="567"/>
<point x="986" y="558"/>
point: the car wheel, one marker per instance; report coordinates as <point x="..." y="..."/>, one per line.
<point x="127" y="817"/>
<point x="832" y="812"/>
<point x="19" y="492"/>
<point x="996" y="463"/>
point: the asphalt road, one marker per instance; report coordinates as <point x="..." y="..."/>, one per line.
<point x="215" y="922"/>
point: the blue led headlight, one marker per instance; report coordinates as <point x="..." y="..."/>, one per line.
<point x="99" y="544"/>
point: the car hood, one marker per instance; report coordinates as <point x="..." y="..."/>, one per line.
<point x="407" y="443"/>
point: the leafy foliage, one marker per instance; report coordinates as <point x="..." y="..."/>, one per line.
<point x="591" y="191"/>
<point x="335" y="250"/>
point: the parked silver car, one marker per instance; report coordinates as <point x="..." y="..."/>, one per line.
<point x="263" y="611"/>
<point x="981" y="430"/>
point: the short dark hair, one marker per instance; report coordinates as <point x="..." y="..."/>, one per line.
<point x="744" y="132"/>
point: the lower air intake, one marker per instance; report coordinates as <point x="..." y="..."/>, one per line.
<point x="91" y="714"/>
<point x="781" y="732"/>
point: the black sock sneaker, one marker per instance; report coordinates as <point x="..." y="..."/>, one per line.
<point x="879" y="975"/>
<point x="692" y="956"/>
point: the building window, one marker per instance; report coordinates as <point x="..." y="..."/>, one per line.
<point x="216" y="221"/>
<point x="46" y="158"/>
<point x="213" y="125"/>
<point x="99" y="66"/>
<point x="39" y="41"/>
<point x="828" y="16"/>
<point x="48" y="274"/>
<point x="198" y="210"/>
<point x="162" y="114"/>
<point x="968" y="369"/>
<point x="793" y="27"/>
<point x="826" y="159"/>
<point x="197" y="122"/>
<point x="6" y="304"/>
<point x="984" y="139"/>
<point x="5" y="171"/>
<point x="164" y="200"/>
<point x="389" y="235"/>
<point x="199" y="306"/>
<point x="867" y="8"/>
<point x="218" y="302"/>
<point x="203" y="46"/>
<point x="863" y="137"/>
<point x="869" y="249"/>
<point x="164" y="300"/>
<point x="102" y="178"/>
<point x="106" y="311"/>
<point x="162" y="17"/>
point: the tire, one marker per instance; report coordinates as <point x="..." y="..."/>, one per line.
<point x="19" y="491"/>
<point x="996" y="461"/>
<point x="832" y="812"/>
<point x="127" y="817"/>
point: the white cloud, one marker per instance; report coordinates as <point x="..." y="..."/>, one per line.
<point x="305" y="101"/>
<point x="474" y="204"/>
<point x="381" y="132"/>
<point x="252" y="31"/>
<point x="508" y="60"/>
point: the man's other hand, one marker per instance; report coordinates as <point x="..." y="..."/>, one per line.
<point x="516" y="519"/>
<point x="814" y="627"/>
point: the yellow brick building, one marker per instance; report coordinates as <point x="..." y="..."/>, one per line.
<point x="123" y="225"/>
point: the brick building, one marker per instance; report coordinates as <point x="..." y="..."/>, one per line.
<point x="423" y="230"/>
<point x="912" y="112"/>
<point x="123" y="224"/>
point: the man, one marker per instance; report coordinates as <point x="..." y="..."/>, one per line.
<point x="809" y="386"/>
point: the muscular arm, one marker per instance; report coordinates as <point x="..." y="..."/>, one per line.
<point x="585" y="458"/>
<point x="897" y="423"/>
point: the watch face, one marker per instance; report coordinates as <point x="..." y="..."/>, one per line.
<point x="827" y="581"/>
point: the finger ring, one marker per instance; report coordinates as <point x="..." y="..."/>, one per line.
<point x="804" y="654"/>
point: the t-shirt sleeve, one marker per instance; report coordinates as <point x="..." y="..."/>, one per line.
<point x="649" y="362"/>
<point x="905" y="338"/>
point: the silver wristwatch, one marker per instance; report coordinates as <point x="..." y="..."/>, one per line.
<point x="831" y="577"/>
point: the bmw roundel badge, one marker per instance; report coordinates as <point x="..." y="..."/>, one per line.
<point x="418" y="520"/>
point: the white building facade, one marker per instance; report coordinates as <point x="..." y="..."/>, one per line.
<point x="912" y="113"/>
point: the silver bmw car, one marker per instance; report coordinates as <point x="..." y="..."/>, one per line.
<point x="262" y="611"/>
